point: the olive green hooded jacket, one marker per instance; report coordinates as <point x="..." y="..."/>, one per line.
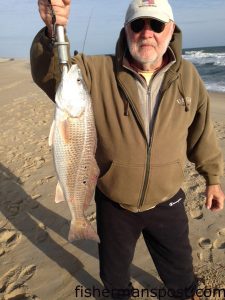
<point x="137" y="171"/>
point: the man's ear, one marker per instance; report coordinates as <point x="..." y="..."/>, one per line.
<point x="173" y="27"/>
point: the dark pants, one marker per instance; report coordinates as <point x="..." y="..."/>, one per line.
<point x="165" y="231"/>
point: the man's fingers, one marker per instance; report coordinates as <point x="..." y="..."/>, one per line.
<point x="67" y="2"/>
<point x="61" y="10"/>
<point x="214" y="203"/>
<point x="209" y="201"/>
<point x="221" y="203"/>
<point x="214" y="197"/>
<point x="61" y="13"/>
<point x="45" y="12"/>
<point x="61" y="3"/>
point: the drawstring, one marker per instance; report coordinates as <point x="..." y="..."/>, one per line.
<point x="126" y="108"/>
<point x="182" y="92"/>
<point x="125" y="102"/>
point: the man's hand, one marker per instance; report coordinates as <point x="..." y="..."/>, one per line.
<point x="61" y="9"/>
<point x="214" y="197"/>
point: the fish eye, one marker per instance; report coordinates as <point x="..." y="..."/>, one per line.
<point x="79" y="80"/>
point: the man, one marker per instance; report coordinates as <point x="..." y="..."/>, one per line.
<point x="152" y="111"/>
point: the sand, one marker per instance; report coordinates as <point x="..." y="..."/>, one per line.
<point x="36" y="260"/>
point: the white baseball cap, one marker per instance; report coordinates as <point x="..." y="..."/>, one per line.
<point x="156" y="9"/>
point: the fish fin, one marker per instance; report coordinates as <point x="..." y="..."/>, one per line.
<point x="63" y="127"/>
<point x="51" y="134"/>
<point x="82" y="229"/>
<point x="59" y="196"/>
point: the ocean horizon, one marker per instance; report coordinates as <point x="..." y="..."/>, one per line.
<point x="209" y="61"/>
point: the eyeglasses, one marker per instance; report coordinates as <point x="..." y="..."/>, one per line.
<point x="139" y="24"/>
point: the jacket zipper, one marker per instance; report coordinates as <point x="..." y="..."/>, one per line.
<point x="147" y="113"/>
<point x="147" y="172"/>
<point x="149" y="144"/>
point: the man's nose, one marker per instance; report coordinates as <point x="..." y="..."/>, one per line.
<point x="147" y="30"/>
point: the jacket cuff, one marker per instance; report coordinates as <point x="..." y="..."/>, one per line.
<point x="45" y="40"/>
<point x="212" y="180"/>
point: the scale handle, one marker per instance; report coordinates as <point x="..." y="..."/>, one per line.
<point x="62" y="45"/>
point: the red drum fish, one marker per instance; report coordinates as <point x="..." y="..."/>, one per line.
<point x="73" y="140"/>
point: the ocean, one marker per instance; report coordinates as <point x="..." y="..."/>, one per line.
<point x="210" y="63"/>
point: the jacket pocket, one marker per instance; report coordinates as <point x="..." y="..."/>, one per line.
<point x="165" y="180"/>
<point x="123" y="182"/>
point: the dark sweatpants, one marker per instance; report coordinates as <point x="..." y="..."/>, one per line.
<point x="165" y="231"/>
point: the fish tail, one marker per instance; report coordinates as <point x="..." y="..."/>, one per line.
<point x="82" y="229"/>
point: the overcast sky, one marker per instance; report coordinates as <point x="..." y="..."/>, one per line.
<point x="202" y="23"/>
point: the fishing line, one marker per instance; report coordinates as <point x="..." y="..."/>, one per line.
<point x="88" y="25"/>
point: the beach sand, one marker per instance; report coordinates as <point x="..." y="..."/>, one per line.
<point x="36" y="260"/>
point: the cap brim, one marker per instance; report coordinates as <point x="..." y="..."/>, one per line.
<point x="150" y="13"/>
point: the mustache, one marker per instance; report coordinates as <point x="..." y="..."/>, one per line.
<point x="146" y="43"/>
